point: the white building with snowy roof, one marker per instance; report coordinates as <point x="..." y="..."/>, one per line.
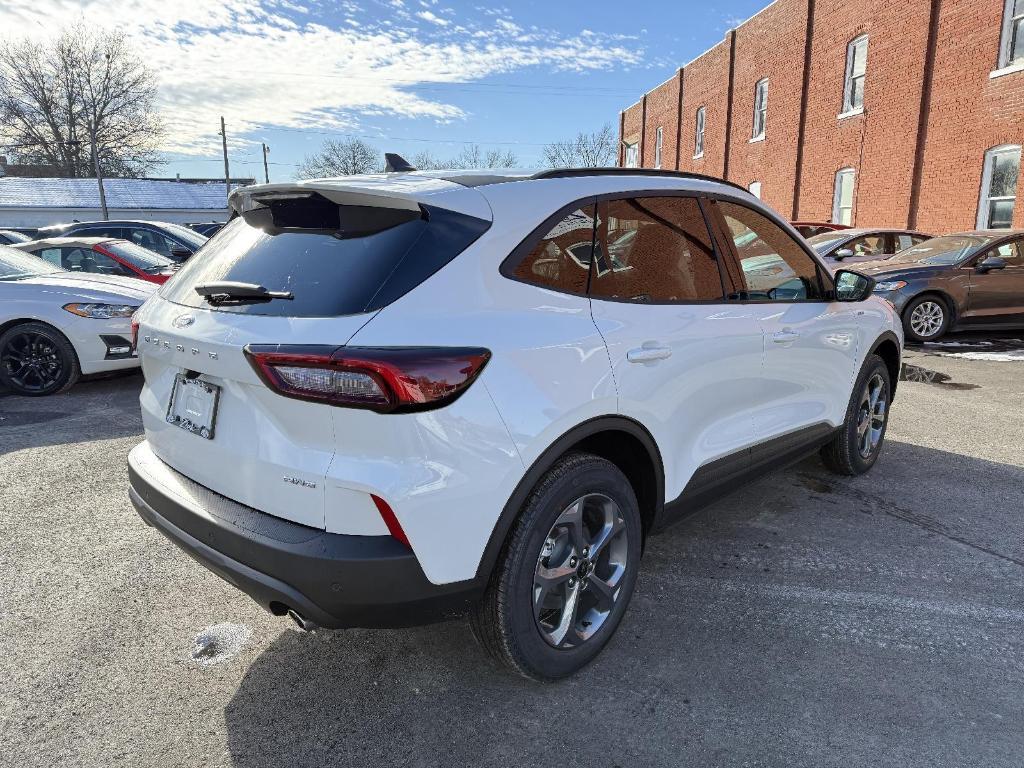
<point x="28" y="202"/>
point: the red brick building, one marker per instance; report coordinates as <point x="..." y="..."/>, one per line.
<point x="868" y="112"/>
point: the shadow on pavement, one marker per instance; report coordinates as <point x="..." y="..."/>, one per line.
<point x="808" y="619"/>
<point x="98" y="408"/>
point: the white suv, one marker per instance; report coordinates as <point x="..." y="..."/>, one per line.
<point x="381" y="400"/>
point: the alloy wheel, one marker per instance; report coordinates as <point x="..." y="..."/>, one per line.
<point x="927" y="318"/>
<point x="873" y="411"/>
<point x="580" y="571"/>
<point x="32" y="361"/>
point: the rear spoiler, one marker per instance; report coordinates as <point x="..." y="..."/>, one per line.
<point x="401" y="193"/>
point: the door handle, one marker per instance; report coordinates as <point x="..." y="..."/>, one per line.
<point x="648" y="354"/>
<point x="785" y="337"/>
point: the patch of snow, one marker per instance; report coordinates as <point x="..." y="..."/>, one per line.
<point x="220" y="642"/>
<point x="1010" y="356"/>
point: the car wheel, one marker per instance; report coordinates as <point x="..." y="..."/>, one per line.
<point x="566" y="573"/>
<point x="856" y="445"/>
<point x="36" y="359"/>
<point x="926" y="318"/>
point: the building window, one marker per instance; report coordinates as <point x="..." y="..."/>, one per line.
<point x="658" y="143"/>
<point x="1011" y="51"/>
<point x="999" y="187"/>
<point x="856" y="69"/>
<point x="842" y="201"/>
<point x="698" y="142"/>
<point x="755" y="189"/>
<point x="760" y="109"/>
<point x="632" y="155"/>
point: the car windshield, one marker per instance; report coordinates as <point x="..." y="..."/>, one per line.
<point x="139" y="257"/>
<point x="191" y="237"/>
<point x="824" y="242"/>
<point x="15" y="237"/>
<point x="941" y="251"/>
<point x="15" y="265"/>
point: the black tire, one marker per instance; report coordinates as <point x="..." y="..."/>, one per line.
<point x="845" y="454"/>
<point x="504" y="622"/>
<point x="53" y="365"/>
<point x="926" y="305"/>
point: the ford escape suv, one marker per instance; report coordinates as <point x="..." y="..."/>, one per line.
<point x="383" y="400"/>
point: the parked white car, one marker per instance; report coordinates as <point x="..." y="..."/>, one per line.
<point x="383" y="400"/>
<point x="56" y="325"/>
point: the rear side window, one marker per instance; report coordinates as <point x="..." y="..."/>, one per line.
<point x="330" y="272"/>
<point x="654" y="250"/>
<point x="774" y="266"/>
<point x="561" y="259"/>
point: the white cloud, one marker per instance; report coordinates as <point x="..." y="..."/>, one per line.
<point x="433" y="18"/>
<point x="276" y="63"/>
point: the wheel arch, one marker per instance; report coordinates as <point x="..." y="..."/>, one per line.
<point x="887" y="347"/>
<point x="621" y="440"/>
<point x="950" y="302"/>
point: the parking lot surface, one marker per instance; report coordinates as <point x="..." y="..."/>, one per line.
<point x="807" y="620"/>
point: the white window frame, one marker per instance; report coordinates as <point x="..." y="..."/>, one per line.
<point x="754" y="188"/>
<point x="760" y="124"/>
<point x="631" y="155"/>
<point x="837" y="208"/>
<point x="1006" y="39"/>
<point x="659" y="143"/>
<point x="985" y="201"/>
<point x="698" y="139"/>
<point x="849" y="108"/>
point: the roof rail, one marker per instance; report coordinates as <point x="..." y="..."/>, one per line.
<point x="565" y="173"/>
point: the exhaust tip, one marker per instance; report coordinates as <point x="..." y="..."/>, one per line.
<point x="304" y="624"/>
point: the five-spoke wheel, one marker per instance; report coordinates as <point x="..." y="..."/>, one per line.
<point x="36" y="359"/>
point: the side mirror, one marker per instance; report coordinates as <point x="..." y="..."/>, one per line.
<point x="180" y="254"/>
<point x="853" y="286"/>
<point x="843" y="253"/>
<point x="989" y="263"/>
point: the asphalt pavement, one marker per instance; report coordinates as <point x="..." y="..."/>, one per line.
<point x="808" y="620"/>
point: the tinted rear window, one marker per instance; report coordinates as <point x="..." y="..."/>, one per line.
<point x="329" y="274"/>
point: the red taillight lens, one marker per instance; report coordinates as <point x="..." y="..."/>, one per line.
<point x="388" y="516"/>
<point x="135" y="334"/>
<point x="387" y="380"/>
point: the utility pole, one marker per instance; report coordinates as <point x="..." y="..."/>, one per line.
<point x="227" y="172"/>
<point x="99" y="175"/>
<point x="266" y="171"/>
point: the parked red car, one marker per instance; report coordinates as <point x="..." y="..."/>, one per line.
<point x="104" y="256"/>
<point x="812" y="228"/>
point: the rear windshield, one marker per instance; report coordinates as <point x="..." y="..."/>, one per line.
<point x="139" y="257"/>
<point x="824" y="241"/>
<point x="329" y="273"/>
<point x="16" y="264"/>
<point x="189" y="236"/>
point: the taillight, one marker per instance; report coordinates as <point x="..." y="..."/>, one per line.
<point x="386" y="380"/>
<point x="135" y="334"/>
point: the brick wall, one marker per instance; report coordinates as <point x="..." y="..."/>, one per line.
<point x="706" y="84"/>
<point x="912" y="167"/>
<point x="772" y="161"/>
<point x="970" y="113"/>
<point x="662" y="112"/>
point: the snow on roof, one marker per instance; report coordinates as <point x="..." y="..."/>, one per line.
<point x="121" y="193"/>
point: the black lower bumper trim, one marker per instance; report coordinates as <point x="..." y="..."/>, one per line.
<point x="331" y="580"/>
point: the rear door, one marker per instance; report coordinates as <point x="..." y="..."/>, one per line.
<point x="811" y="342"/>
<point x="232" y="433"/>
<point x="997" y="296"/>
<point x="687" y="362"/>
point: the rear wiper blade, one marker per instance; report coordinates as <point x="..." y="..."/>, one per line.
<point x="225" y="291"/>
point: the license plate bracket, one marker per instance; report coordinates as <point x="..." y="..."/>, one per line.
<point x="193" y="405"/>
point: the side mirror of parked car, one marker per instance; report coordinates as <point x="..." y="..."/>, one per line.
<point x="843" y="253"/>
<point x="853" y="286"/>
<point x="991" y="262"/>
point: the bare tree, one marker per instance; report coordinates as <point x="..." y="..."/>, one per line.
<point x="587" y="150"/>
<point x="341" y="158"/>
<point x="471" y="156"/>
<point x="83" y="103"/>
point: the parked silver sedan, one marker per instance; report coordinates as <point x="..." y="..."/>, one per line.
<point x="849" y="246"/>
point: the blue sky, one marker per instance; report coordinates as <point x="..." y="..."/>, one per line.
<point x="405" y="75"/>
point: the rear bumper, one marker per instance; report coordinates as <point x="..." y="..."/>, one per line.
<point x="331" y="580"/>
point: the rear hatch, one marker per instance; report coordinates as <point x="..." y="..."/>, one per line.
<point x="329" y="257"/>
